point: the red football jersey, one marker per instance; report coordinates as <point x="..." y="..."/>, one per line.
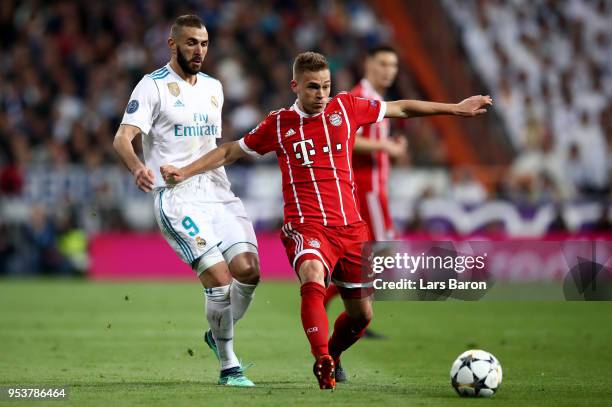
<point x="314" y="154"/>
<point x="371" y="170"/>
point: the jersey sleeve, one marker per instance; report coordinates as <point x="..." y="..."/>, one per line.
<point x="262" y="139"/>
<point x="143" y="106"/>
<point x="367" y="111"/>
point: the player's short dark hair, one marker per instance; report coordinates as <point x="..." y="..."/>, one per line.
<point x="309" y="62"/>
<point x="187" y="20"/>
<point x="381" y="48"/>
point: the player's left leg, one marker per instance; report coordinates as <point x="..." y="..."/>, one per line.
<point x="214" y="275"/>
<point x="330" y="294"/>
<point x="350" y="325"/>
<point x="354" y="281"/>
<point x="244" y="268"/>
<point x="239" y="248"/>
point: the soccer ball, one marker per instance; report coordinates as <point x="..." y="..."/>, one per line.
<point x="476" y="373"/>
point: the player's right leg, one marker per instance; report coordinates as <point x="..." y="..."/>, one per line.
<point x="314" y="320"/>
<point x="311" y="254"/>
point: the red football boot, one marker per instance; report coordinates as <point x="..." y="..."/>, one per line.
<point x="325" y="371"/>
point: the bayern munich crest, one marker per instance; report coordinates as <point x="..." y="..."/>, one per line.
<point x="314" y="243"/>
<point x="335" y="119"/>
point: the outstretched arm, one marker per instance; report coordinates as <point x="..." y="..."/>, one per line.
<point x="223" y="155"/>
<point x="472" y="106"/>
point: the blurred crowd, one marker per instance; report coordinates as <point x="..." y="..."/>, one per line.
<point x="68" y="68"/>
<point x="67" y="71"/>
<point x="549" y="67"/>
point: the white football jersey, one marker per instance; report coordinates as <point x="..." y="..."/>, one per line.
<point x="179" y="122"/>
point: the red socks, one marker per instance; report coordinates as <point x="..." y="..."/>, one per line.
<point x="314" y="317"/>
<point x="330" y="293"/>
<point x="346" y="332"/>
<point x="314" y="320"/>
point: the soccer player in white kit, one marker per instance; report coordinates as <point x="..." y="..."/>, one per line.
<point x="177" y="109"/>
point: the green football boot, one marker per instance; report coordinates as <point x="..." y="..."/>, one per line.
<point x="234" y="376"/>
<point x="210" y="341"/>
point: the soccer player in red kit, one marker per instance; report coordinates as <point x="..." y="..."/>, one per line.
<point x="374" y="146"/>
<point x="371" y="157"/>
<point x="313" y="141"/>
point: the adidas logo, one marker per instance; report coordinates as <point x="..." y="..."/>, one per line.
<point x="290" y="132"/>
<point x="178" y="103"/>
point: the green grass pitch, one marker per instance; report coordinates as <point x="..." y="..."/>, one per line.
<point x="140" y="344"/>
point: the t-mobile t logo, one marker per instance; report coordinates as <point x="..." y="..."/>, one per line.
<point x="306" y="149"/>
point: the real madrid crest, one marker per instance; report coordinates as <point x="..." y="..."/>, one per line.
<point x="200" y="242"/>
<point x="335" y="119"/>
<point x="213" y="101"/>
<point x="174" y="89"/>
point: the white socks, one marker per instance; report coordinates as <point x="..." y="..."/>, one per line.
<point x="219" y="316"/>
<point x="241" y="296"/>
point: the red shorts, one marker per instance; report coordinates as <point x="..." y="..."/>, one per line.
<point x="339" y="248"/>
<point x="374" y="209"/>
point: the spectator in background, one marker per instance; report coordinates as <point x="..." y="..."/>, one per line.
<point x="558" y="75"/>
<point x="72" y="245"/>
<point x="579" y="171"/>
<point x="41" y="244"/>
<point x="465" y="188"/>
<point x="541" y="169"/>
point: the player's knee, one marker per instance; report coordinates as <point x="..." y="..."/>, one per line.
<point x="249" y="274"/>
<point x="245" y="268"/>
<point x="215" y="280"/>
<point x="367" y="314"/>
<point x="362" y="312"/>
<point x="216" y="276"/>
<point x="312" y="271"/>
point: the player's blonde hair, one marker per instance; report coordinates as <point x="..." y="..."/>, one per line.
<point x="309" y="62"/>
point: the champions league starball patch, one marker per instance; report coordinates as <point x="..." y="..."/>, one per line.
<point x="335" y="119"/>
<point x="132" y="106"/>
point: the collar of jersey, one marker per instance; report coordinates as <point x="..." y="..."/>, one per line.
<point x="301" y="112"/>
<point x="179" y="76"/>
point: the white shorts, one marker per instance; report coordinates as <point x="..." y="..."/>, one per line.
<point x="204" y="222"/>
